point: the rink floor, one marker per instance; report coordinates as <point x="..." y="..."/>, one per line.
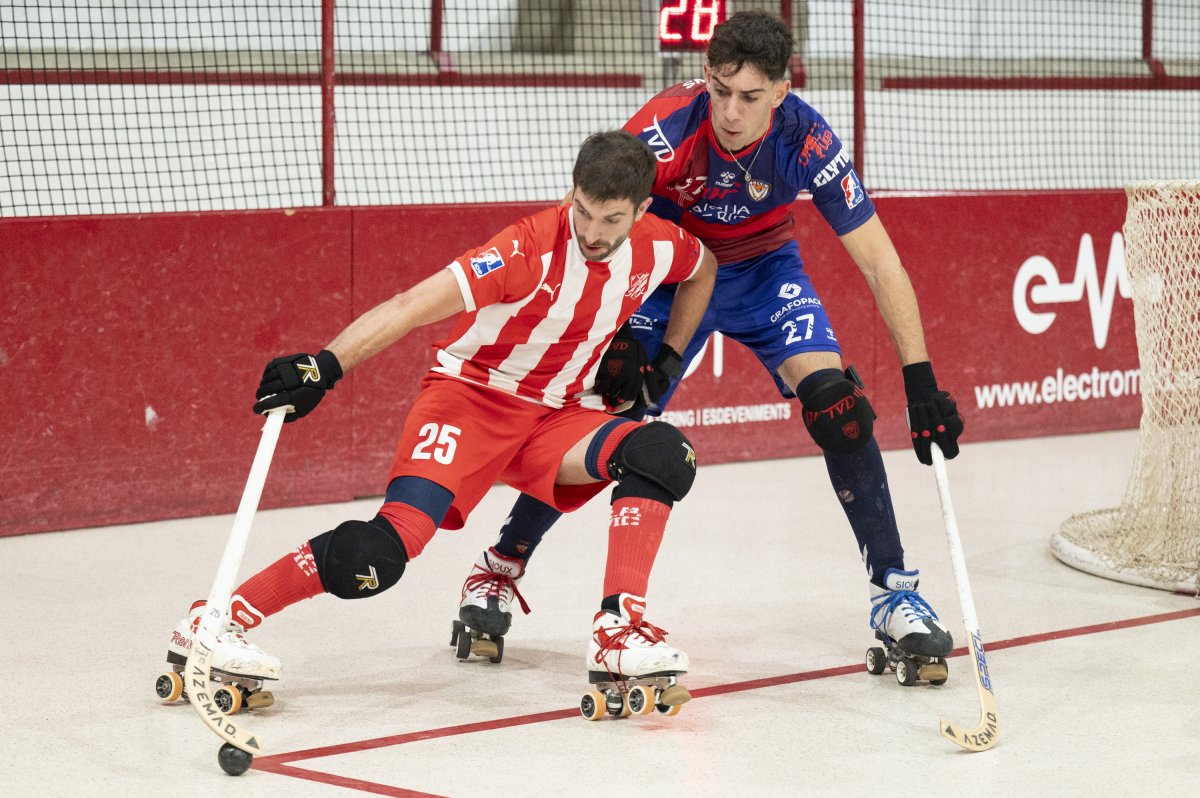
<point x="758" y="580"/>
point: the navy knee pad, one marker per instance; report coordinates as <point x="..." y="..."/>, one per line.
<point x="655" y="461"/>
<point x="359" y="559"/>
<point x="836" y="412"/>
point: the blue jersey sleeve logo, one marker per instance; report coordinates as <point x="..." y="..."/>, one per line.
<point x="487" y="262"/>
<point x="852" y="189"/>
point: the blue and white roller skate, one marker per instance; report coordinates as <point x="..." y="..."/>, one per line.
<point x="915" y="643"/>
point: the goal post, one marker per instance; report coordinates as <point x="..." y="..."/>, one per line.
<point x="1153" y="537"/>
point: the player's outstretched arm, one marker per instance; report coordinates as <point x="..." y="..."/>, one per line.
<point x="435" y="298"/>
<point x="932" y="413"/>
<point x="301" y="380"/>
<point x="691" y="300"/>
<point x="872" y="251"/>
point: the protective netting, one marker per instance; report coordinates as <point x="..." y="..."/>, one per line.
<point x="1153" y="538"/>
<point x="170" y="105"/>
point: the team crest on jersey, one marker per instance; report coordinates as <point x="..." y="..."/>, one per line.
<point x="758" y="190"/>
<point x="638" y="284"/>
<point x="487" y="262"/>
<point x="853" y="189"/>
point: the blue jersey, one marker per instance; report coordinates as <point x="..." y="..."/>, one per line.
<point x="741" y="208"/>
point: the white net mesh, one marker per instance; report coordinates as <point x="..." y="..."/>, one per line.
<point x="1153" y="538"/>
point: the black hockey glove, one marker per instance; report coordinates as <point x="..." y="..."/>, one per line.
<point x="659" y="373"/>
<point x="619" y="377"/>
<point x="297" y="380"/>
<point x="932" y="414"/>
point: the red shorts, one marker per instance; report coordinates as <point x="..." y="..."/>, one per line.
<point x="466" y="437"/>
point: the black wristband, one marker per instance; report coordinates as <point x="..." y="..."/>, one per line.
<point x="331" y="369"/>
<point x="919" y="382"/>
<point x="669" y="362"/>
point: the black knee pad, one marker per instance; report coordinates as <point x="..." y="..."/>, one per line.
<point x="837" y="413"/>
<point x="655" y="456"/>
<point x="359" y="559"/>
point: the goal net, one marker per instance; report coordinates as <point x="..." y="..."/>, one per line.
<point x="1153" y="537"/>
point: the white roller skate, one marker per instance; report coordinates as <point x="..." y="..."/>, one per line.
<point x="915" y="641"/>
<point x="484" y="614"/>
<point x="239" y="667"/>
<point x="631" y="668"/>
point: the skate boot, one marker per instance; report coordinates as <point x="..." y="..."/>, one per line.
<point x="484" y="614"/>
<point x="631" y="668"/>
<point x="915" y="641"/>
<point x="239" y="667"/>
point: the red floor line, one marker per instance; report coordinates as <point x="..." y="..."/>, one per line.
<point x="341" y="781"/>
<point x="277" y="764"/>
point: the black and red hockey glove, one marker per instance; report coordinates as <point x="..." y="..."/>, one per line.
<point x="619" y="377"/>
<point x="659" y="373"/>
<point x="297" y="380"/>
<point x="932" y="414"/>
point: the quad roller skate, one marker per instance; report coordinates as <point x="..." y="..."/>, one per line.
<point x="484" y="614"/>
<point x="238" y="673"/>
<point x="915" y="643"/>
<point x="631" y="668"/>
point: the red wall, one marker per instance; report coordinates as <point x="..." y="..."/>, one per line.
<point x="131" y="345"/>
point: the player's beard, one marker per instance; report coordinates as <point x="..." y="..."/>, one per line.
<point x="608" y="250"/>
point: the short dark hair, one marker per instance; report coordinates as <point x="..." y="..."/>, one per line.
<point x="614" y="165"/>
<point x="752" y="37"/>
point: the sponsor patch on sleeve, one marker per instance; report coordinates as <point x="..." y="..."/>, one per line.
<point x="488" y="262"/>
<point x="853" y="189"/>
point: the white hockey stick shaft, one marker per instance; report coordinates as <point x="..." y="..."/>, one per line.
<point x="216" y="611"/>
<point x="983" y="736"/>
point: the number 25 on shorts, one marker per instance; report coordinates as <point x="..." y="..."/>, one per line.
<point x="438" y="442"/>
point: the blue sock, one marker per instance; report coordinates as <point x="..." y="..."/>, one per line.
<point x="861" y="486"/>
<point x="527" y="522"/>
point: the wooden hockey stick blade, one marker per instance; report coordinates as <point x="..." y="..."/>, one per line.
<point x="198" y="674"/>
<point x="216" y="611"/>
<point x="983" y="736"/>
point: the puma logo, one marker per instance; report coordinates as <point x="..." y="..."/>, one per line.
<point x="551" y="291"/>
<point x="517" y="249"/>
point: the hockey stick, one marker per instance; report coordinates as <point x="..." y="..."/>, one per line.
<point x="216" y="611"/>
<point x="983" y="736"/>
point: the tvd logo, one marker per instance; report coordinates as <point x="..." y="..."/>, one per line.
<point x="1038" y="284"/>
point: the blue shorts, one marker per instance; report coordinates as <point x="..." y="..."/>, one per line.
<point x="766" y="303"/>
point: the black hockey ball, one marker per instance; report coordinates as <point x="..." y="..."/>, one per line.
<point x="233" y="760"/>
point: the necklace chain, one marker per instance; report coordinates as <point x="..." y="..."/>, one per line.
<point x="745" y="169"/>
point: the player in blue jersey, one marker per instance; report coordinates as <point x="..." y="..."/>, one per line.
<point x="734" y="150"/>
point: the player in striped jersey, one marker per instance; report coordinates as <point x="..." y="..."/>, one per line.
<point x="511" y="399"/>
<point x="733" y="152"/>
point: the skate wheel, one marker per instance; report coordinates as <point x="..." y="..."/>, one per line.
<point x="260" y="700"/>
<point x="674" y="696"/>
<point x="620" y="710"/>
<point x="640" y="700"/>
<point x="937" y="672"/>
<point x="463" y="644"/>
<point x="484" y="647"/>
<point x="906" y="672"/>
<point x="876" y="660"/>
<point x="228" y="699"/>
<point x="669" y="711"/>
<point x="169" y="686"/>
<point x="456" y="630"/>
<point x="592" y="706"/>
<point x="499" y="655"/>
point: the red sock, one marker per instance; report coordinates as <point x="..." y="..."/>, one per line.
<point x="289" y="579"/>
<point x="414" y="527"/>
<point x="635" y="532"/>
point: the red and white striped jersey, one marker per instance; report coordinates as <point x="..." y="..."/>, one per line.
<point x="540" y="315"/>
